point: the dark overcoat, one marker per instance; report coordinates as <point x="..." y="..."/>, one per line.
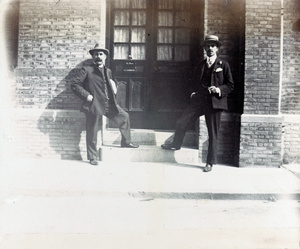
<point x="83" y="84"/>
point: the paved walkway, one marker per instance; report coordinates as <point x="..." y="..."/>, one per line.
<point x="42" y="176"/>
<point x="48" y="204"/>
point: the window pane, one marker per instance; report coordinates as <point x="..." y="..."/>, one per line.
<point x="182" y="19"/>
<point x="138" y="4"/>
<point x="122" y="3"/>
<point x="121" y="17"/>
<point x="165" y="36"/>
<point x="138" y="52"/>
<point x="121" y="35"/>
<point x="165" y="18"/>
<point x="182" y="53"/>
<point x="138" y="35"/>
<point x="182" y="4"/>
<point x="165" y="4"/>
<point x="164" y="53"/>
<point x="182" y="36"/>
<point x="121" y="52"/>
<point x="138" y="18"/>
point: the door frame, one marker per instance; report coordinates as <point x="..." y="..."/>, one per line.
<point x="196" y="42"/>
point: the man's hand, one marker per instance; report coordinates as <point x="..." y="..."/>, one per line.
<point x="193" y="93"/>
<point x="214" y="89"/>
<point x="89" y="98"/>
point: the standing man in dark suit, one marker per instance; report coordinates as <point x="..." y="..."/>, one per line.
<point x="210" y="84"/>
<point x="95" y="86"/>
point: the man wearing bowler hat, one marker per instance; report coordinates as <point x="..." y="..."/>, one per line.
<point x="211" y="82"/>
<point x="95" y="86"/>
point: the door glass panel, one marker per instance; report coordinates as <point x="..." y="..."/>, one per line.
<point x="121" y="17"/>
<point x="138" y="4"/>
<point x="182" y="36"/>
<point x="165" y="4"/>
<point x="121" y="3"/>
<point x="164" y="52"/>
<point x="182" y="53"/>
<point x="138" y="35"/>
<point x="121" y="35"/>
<point x="138" y="52"/>
<point x="121" y="52"/>
<point x="138" y="18"/>
<point x="182" y="19"/>
<point x="182" y="4"/>
<point x="165" y="18"/>
<point x="165" y="35"/>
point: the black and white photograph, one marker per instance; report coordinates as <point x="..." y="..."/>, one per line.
<point x="150" y="124"/>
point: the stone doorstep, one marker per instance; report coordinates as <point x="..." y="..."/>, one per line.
<point x="149" y="150"/>
<point x="148" y="137"/>
<point x="148" y="153"/>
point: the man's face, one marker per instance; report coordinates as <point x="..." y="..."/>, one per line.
<point x="99" y="58"/>
<point x="211" y="49"/>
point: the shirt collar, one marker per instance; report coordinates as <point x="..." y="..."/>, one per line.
<point x="101" y="66"/>
<point x="211" y="59"/>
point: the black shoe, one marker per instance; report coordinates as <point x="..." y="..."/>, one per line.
<point x="93" y="162"/>
<point x="169" y="147"/>
<point x="130" y="145"/>
<point x="208" y="167"/>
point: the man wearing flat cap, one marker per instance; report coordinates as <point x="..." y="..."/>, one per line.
<point x="211" y="82"/>
<point x="95" y="86"/>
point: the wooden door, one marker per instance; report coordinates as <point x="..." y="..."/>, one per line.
<point x="154" y="44"/>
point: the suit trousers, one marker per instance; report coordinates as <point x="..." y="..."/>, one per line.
<point x="200" y="105"/>
<point x="94" y="124"/>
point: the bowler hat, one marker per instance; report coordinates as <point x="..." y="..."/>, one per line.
<point x="98" y="48"/>
<point x="212" y="38"/>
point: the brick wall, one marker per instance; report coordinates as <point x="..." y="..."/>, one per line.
<point x="261" y="124"/>
<point x="291" y="53"/>
<point x="262" y="59"/>
<point x="291" y="139"/>
<point x="49" y="134"/>
<point x="290" y="98"/>
<point x="54" y="37"/>
<point x="261" y="140"/>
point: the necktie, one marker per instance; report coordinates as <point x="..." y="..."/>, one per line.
<point x="209" y="63"/>
<point x="105" y="84"/>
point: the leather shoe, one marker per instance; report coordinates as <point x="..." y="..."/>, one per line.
<point x="207" y="168"/>
<point x="93" y="162"/>
<point x="169" y="147"/>
<point x="130" y="145"/>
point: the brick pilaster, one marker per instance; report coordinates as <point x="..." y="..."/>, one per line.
<point x="261" y="123"/>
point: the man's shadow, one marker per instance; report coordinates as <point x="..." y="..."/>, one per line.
<point x="63" y="122"/>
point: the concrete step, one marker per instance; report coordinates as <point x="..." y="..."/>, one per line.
<point x="148" y="153"/>
<point x="148" y="137"/>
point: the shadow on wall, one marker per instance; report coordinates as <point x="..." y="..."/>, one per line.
<point x="63" y="122"/>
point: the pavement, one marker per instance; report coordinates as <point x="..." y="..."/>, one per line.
<point x="50" y="203"/>
<point x="145" y="179"/>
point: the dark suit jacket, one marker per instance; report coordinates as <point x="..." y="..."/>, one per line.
<point x="83" y="84"/>
<point x="221" y="77"/>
